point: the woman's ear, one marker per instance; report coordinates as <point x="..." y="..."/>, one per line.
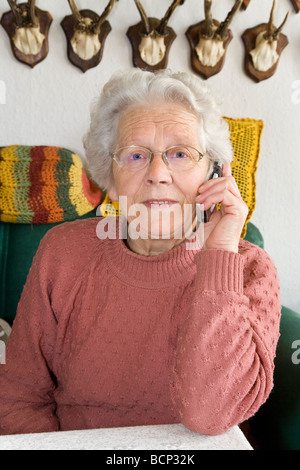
<point x="209" y="171"/>
<point x="111" y="187"/>
<point x="112" y="192"/>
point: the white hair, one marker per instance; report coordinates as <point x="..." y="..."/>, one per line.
<point x="135" y="86"/>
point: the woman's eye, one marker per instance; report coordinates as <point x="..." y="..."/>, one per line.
<point x="136" y="156"/>
<point x="180" y="154"/>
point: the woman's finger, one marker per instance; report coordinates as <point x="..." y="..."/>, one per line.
<point x="217" y="185"/>
<point x="226" y="169"/>
<point x="229" y="202"/>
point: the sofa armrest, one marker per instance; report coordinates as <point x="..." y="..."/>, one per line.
<point x="253" y="235"/>
<point x="277" y="423"/>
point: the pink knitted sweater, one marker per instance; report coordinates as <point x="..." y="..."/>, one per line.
<point x="105" y="337"/>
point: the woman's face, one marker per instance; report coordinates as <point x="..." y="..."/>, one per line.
<point x="154" y="198"/>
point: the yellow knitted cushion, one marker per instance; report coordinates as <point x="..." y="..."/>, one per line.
<point x="245" y="137"/>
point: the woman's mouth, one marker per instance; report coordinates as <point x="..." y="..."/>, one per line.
<point x="159" y="203"/>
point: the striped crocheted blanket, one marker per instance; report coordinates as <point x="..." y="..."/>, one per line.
<point x="44" y="184"/>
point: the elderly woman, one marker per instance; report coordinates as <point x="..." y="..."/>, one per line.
<point x="146" y="327"/>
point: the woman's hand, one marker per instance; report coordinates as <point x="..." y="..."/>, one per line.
<point x="224" y="228"/>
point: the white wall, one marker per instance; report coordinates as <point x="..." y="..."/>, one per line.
<point x="49" y="105"/>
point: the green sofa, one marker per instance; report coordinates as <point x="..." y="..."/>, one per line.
<point x="275" y="426"/>
<point x="18" y="244"/>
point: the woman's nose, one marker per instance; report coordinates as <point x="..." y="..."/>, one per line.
<point x="158" y="171"/>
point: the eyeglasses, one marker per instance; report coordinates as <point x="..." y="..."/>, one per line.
<point x="177" y="158"/>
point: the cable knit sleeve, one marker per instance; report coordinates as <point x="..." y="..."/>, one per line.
<point x="226" y="346"/>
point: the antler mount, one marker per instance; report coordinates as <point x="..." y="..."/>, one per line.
<point x="296" y="5"/>
<point x="209" y="40"/>
<point x="151" y="38"/>
<point x="150" y="51"/>
<point x="27" y="27"/>
<point x="263" y="46"/>
<point x="86" y="32"/>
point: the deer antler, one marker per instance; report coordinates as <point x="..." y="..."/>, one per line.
<point x="144" y="17"/>
<point x="279" y="29"/>
<point x="103" y="17"/>
<point x="208" y="20"/>
<point x="92" y="27"/>
<point x="270" y="28"/>
<point x="17" y="12"/>
<point x="75" y="11"/>
<point x="272" y="33"/>
<point x="29" y="19"/>
<point x="31" y="10"/>
<point x="162" y="26"/>
<point x="221" y="31"/>
<point x="161" y="29"/>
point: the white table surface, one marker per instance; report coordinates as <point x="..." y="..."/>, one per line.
<point x="161" y="437"/>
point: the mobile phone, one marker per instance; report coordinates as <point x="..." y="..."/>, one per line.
<point x="204" y="216"/>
